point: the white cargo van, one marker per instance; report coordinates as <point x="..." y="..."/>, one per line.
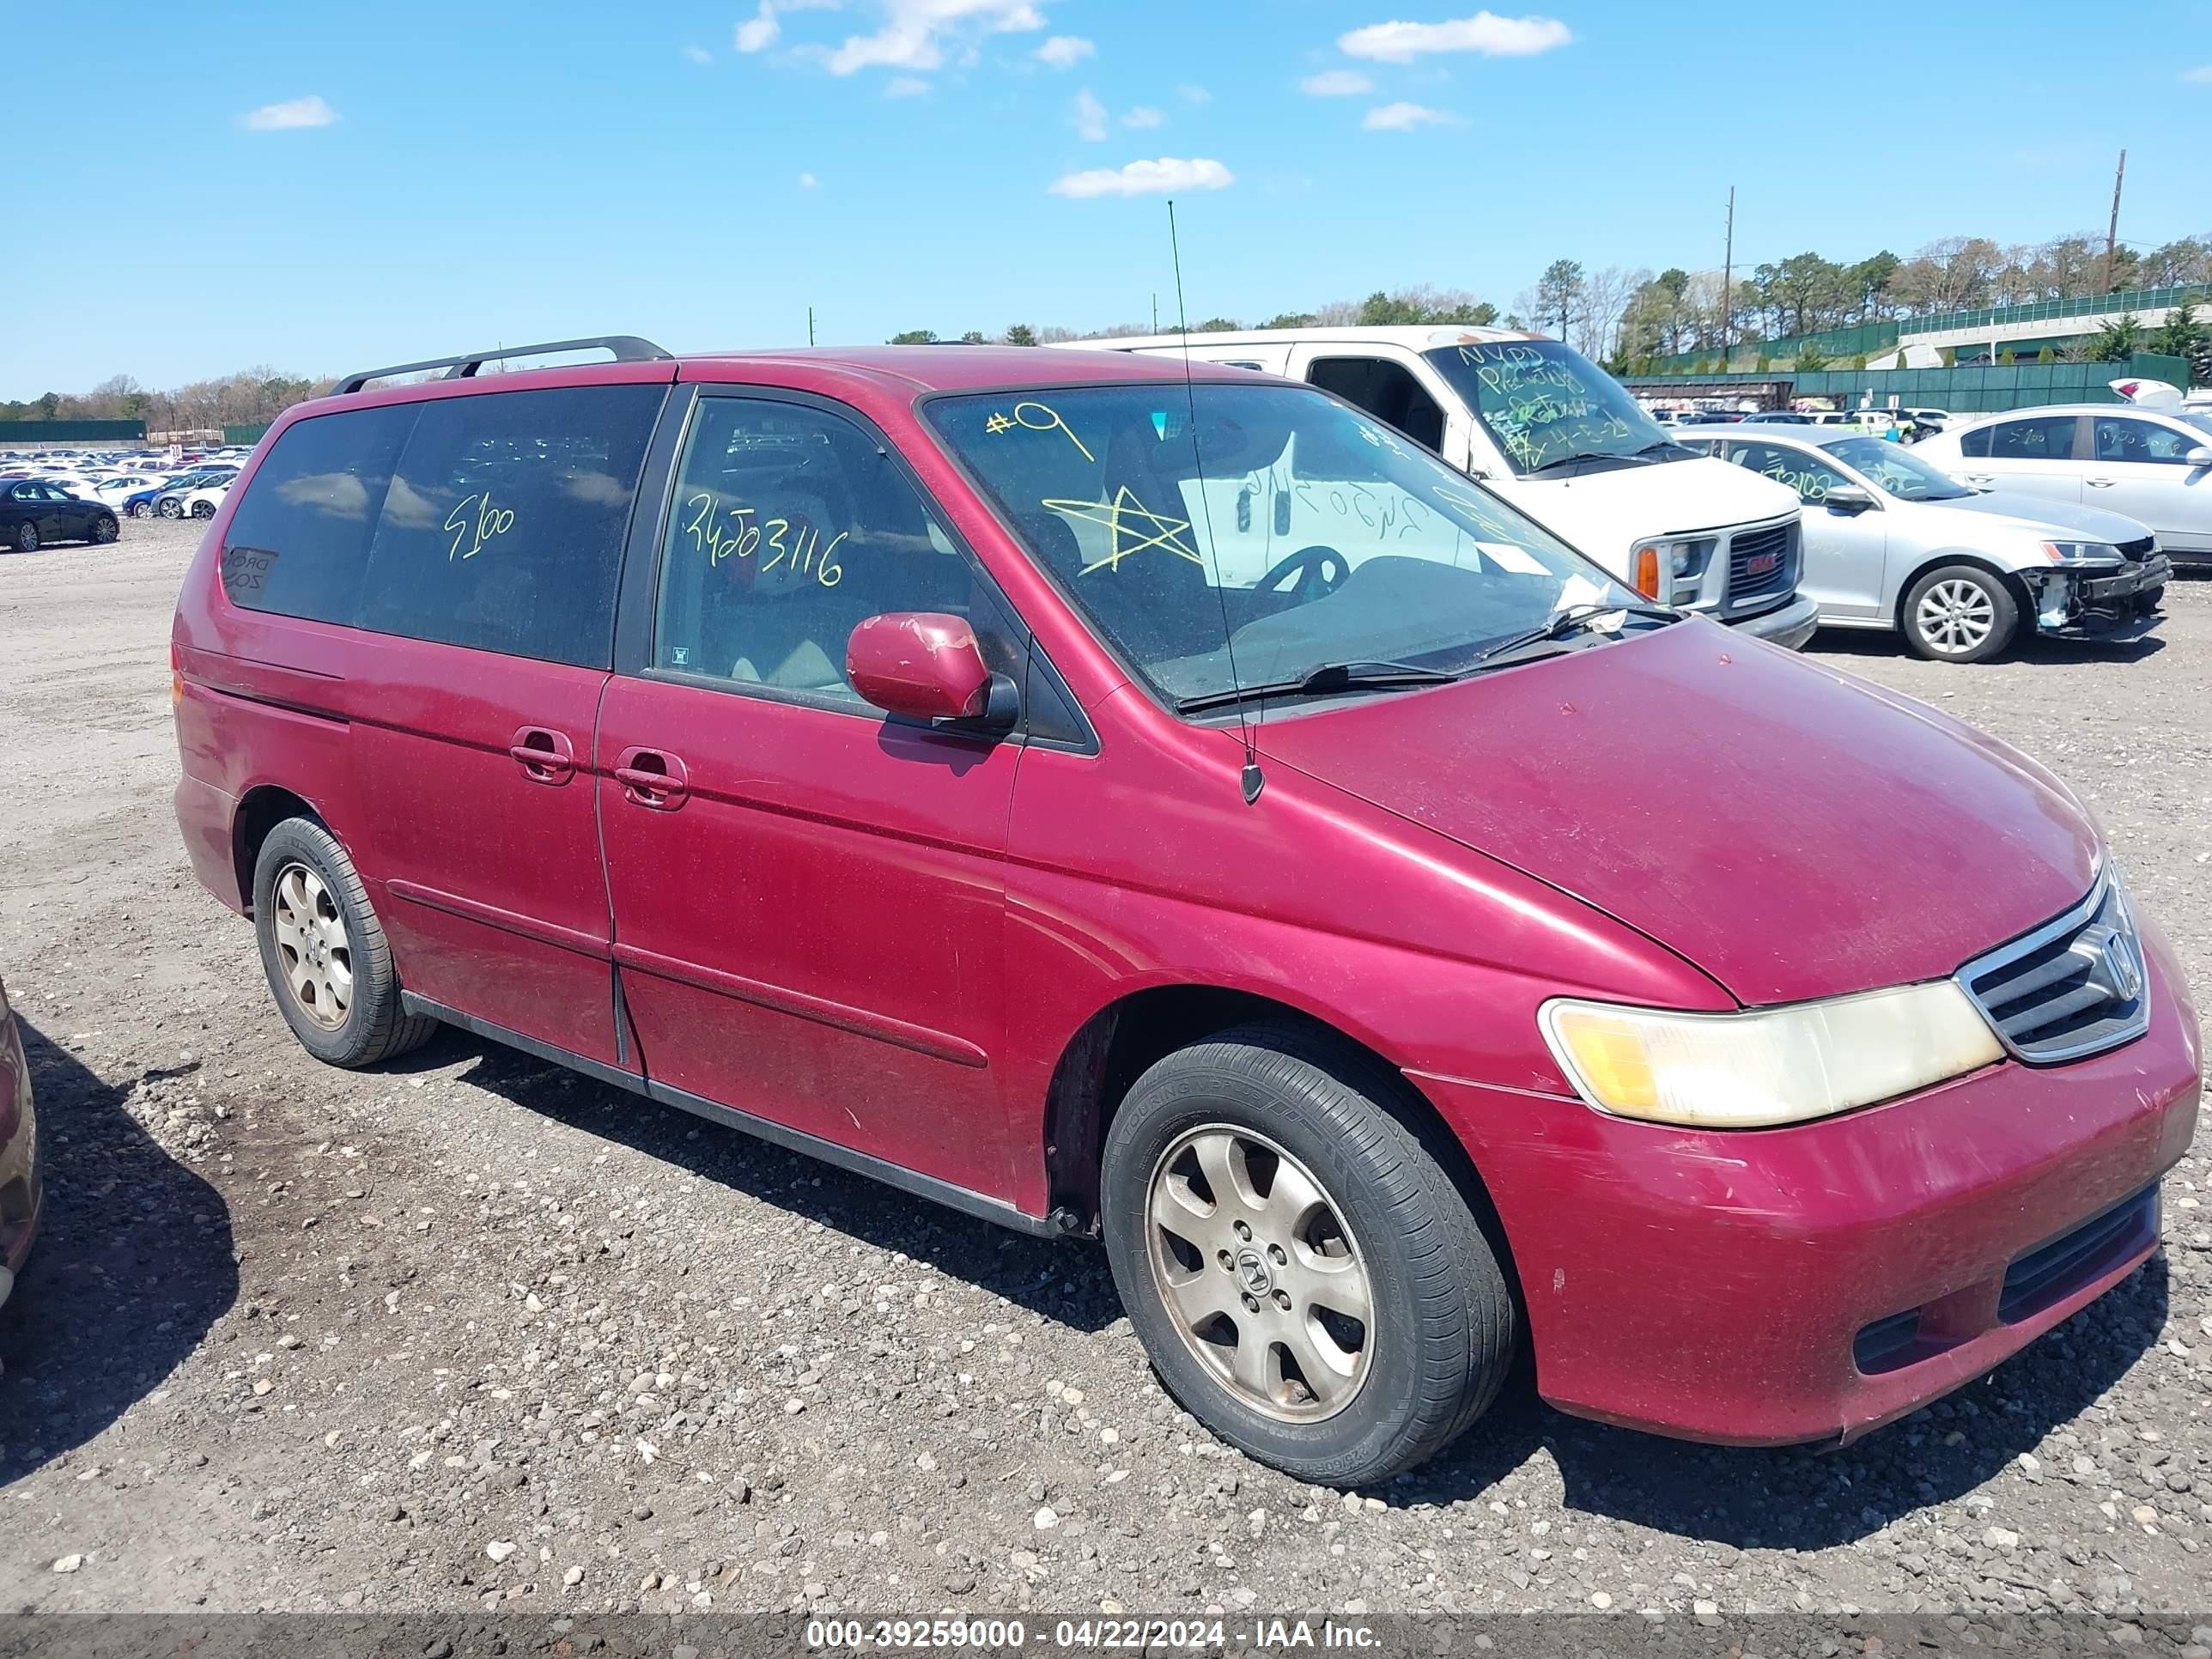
<point x="1563" y="441"/>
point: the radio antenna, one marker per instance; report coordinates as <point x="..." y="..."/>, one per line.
<point x="1252" y="780"/>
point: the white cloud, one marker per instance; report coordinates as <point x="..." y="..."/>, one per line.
<point x="282" y="118"/>
<point x="914" y="31"/>
<point x="699" y="54"/>
<point x="1141" y="117"/>
<point x="1146" y="179"/>
<point x="2202" y="75"/>
<point x="1485" y="32"/>
<point x="762" y="30"/>
<point x="906" y="86"/>
<point x="1064" y="51"/>
<point x="1336" y="84"/>
<point x="1191" y="94"/>
<point x="1089" y="118"/>
<point x="807" y="181"/>
<point x="1404" y="118"/>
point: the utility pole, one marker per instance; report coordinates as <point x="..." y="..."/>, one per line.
<point x="2113" y="231"/>
<point x="1727" y="283"/>
<point x="810" y="324"/>
<point x="1156" y="312"/>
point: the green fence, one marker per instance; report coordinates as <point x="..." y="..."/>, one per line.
<point x="2085" y="305"/>
<point x="71" y="432"/>
<point x="1968" y="388"/>
<point x="246" y="434"/>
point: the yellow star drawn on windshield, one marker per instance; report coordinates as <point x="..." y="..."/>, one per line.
<point x="1126" y="516"/>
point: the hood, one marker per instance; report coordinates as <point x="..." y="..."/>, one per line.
<point x="1792" y="830"/>
<point x="1601" y="512"/>
<point x="2033" y="513"/>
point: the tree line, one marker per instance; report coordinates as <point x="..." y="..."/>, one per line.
<point x="249" y="397"/>
<point x="1626" y="318"/>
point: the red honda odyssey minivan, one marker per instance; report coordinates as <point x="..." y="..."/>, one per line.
<point x="1162" y="803"/>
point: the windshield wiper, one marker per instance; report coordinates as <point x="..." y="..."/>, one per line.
<point x="1587" y="455"/>
<point x="1323" y="677"/>
<point x="1573" y="619"/>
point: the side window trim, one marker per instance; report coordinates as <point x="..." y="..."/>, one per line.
<point x="637" y="602"/>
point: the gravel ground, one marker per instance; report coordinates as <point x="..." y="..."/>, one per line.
<point x="475" y="1332"/>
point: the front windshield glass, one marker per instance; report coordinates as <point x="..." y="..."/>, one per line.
<point x="1317" y="535"/>
<point x="1544" y="403"/>
<point x="1897" y="470"/>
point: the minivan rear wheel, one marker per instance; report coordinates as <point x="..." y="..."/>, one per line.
<point x="1307" y="1279"/>
<point x="1959" y="613"/>
<point x="325" y="953"/>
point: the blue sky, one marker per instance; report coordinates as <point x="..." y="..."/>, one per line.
<point x="319" y="188"/>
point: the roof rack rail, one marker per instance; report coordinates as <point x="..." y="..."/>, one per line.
<point x="626" y="347"/>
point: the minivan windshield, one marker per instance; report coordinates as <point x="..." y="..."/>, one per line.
<point x="1288" y="533"/>
<point x="1897" y="470"/>
<point x="1545" y="405"/>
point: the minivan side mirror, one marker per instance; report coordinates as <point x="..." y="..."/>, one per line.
<point x="1850" y="498"/>
<point x="928" y="666"/>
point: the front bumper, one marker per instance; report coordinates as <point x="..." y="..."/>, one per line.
<point x="21" y="1193"/>
<point x="1810" y="1283"/>
<point x="1788" y="625"/>
<point x="2102" y="604"/>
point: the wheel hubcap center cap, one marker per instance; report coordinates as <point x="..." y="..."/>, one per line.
<point x="1253" y="1270"/>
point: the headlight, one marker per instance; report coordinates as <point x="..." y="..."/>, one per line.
<point x="2081" y="553"/>
<point x="1766" y="1066"/>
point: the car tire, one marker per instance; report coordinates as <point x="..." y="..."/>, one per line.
<point x="1357" y="1211"/>
<point x="202" y="509"/>
<point x="104" y="529"/>
<point x="1959" y="613"/>
<point x="329" y="966"/>
<point x="27" y="539"/>
<point x="171" y="510"/>
<point x="140" y="510"/>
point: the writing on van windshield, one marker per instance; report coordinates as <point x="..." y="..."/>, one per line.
<point x="475" y="520"/>
<point x="1132" y="526"/>
<point x="780" y="543"/>
<point x="1030" y="416"/>
<point x="1537" y="407"/>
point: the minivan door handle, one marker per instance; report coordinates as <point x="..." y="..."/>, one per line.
<point x="652" y="778"/>
<point x="2101" y="483"/>
<point x="545" y="756"/>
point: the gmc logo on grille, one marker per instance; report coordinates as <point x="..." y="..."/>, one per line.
<point x="1762" y="564"/>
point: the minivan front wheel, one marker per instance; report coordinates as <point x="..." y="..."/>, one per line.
<point x="1959" y="613"/>
<point x="1307" y="1279"/>
<point x="323" y="952"/>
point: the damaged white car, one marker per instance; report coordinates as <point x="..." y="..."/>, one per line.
<point x="1891" y="542"/>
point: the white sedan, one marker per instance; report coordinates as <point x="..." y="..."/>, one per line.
<point x="1892" y="542"/>
<point x="2155" y="465"/>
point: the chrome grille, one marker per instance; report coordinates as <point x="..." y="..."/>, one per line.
<point x="1777" y="542"/>
<point x="2076" y="986"/>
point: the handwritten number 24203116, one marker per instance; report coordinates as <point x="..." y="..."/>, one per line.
<point x="799" y="546"/>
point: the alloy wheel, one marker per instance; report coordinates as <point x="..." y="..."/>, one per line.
<point x="1955" y="616"/>
<point x="1264" y="1282"/>
<point x="311" y="943"/>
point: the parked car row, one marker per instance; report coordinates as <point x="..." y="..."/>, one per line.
<point x="1129" y="797"/>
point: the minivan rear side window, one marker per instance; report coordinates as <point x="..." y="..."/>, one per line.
<point x="503" y="525"/>
<point x="295" y="544"/>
